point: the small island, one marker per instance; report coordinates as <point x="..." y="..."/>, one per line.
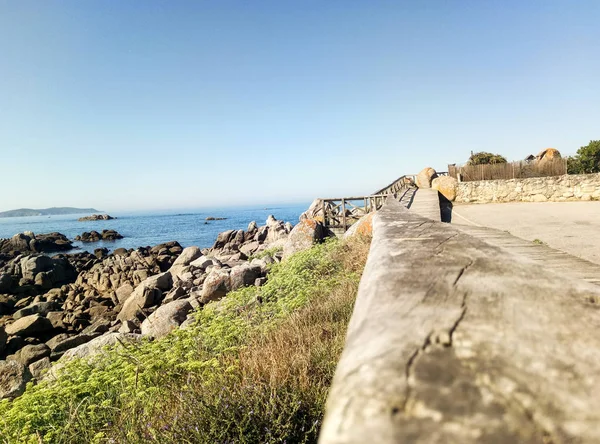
<point x="96" y="217"/>
<point x="216" y="218"/>
<point x="54" y="211"/>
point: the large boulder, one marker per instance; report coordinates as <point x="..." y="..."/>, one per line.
<point x="31" y="353"/>
<point x="425" y="177"/>
<point x="13" y="379"/>
<point x="447" y="186"/>
<point x="315" y="211"/>
<point x="362" y="227"/>
<point x="277" y="231"/>
<point x="166" y="318"/>
<point x="216" y="285"/>
<point x="42" y="308"/>
<point x="29" y="326"/>
<point x="548" y="154"/>
<point x="187" y="256"/>
<point x="96" y="345"/>
<point x="32" y="265"/>
<point x="146" y="294"/>
<point x="244" y="275"/>
<point x="63" y="342"/>
<point x="39" y="368"/>
<point x="51" y="242"/>
<point x="303" y="236"/>
<point x="124" y="291"/>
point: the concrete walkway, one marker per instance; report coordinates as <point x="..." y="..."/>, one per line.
<point x="572" y="227"/>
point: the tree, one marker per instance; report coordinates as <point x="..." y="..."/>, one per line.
<point x="587" y="159"/>
<point x="483" y="158"/>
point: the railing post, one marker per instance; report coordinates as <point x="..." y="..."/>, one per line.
<point x="324" y="216"/>
<point x="344" y="213"/>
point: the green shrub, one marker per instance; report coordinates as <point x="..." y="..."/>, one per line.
<point x="211" y="382"/>
<point x="587" y="159"/>
<point x="484" y="158"/>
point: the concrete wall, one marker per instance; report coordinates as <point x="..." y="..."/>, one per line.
<point x="537" y="189"/>
<point x="454" y="340"/>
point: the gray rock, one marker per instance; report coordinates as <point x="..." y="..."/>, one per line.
<point x="41" y="308"/>
<point x="13" y="378"/>
<point x="99" y="326"/>
<point x="141" y="298"/>
<point x="123" y="292"/>
<point x="29" y="326"/>
<point x="129" y="327"/>
<point x="96" y="345"/>
<point x="249" y="248"/>
<point x="56" y="319"/>
<point x="166" y="318"/>
<point x="174" y="294"/>
<point x="216" y="285"/>
<point x="32" y="265"/>
<point x="60" y="344"/>
<point x="31" y="353"/>
<point x="203" y="262"/>
<point x="146" y="294"/>
<point x="187" y="256"/>
<point x="303" y="236"/>
<point x="39" y="368"/>
<point x="244" y="275"/>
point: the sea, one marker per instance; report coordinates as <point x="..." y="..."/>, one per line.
<point x="142" y="229"/>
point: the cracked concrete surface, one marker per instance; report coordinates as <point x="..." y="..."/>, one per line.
<point x="454" y="340"/>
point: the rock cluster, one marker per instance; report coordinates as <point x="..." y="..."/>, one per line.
<point x="94" y="236"/>
<point x="216" y="218"/>
<point x="96" y="217"/>
<point x="41" y="243"/>
<point x="60" y="307"/>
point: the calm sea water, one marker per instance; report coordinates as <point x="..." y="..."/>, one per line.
<point x="149" y="229"/>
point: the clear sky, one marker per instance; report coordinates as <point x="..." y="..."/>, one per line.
<point x="149" y="104"/>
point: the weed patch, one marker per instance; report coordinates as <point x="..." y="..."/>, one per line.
<point x="255" y="367"/>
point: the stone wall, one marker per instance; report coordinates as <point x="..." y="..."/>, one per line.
<point x="536" y="189"/>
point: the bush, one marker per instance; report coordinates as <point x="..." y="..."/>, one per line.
<point x="587" y="159"/>
<point x="256" y="366"/>
<point x="484" y="158"/>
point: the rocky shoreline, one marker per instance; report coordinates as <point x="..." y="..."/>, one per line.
<point x="55" y="308"/>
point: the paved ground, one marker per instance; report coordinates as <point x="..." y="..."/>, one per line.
<point x="573" y="227"/>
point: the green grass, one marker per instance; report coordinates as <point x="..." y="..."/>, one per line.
<point x="255" y="367"/>
<point x="539" y="242"/>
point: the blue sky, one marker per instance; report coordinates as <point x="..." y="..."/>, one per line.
<point x="150" y="104"/>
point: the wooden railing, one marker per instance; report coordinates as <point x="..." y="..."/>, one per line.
<point x="341" y="213"/>
<point x="398" y="185"/>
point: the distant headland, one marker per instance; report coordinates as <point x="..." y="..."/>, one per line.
<point x="54" y="211"/>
